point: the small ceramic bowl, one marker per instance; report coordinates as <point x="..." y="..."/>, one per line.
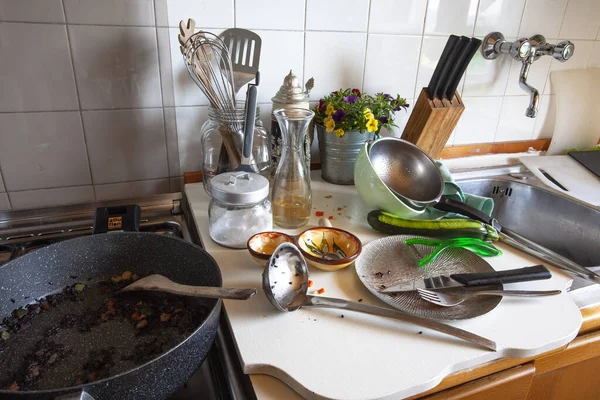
<point x="329" y="249"/>
<point x="262" y="245"/>
<point x="325" y="248"/>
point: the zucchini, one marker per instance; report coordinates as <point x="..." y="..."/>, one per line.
<point x="445" y="228"/>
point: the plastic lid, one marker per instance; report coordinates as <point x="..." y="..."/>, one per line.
<point x="239" y="187"/>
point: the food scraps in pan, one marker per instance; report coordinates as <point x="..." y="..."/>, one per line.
<point x="87" y="332"/>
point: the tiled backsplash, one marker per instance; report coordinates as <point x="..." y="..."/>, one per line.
<point x="95" y="101"/>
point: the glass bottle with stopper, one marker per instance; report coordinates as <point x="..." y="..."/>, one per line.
<point x="290" y="95"/>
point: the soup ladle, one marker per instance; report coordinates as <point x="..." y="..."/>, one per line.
<point x="285" y="282"/>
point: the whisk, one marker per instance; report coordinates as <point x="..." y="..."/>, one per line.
<point x="209" y="64"/>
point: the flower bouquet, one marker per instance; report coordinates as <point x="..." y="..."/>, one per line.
<point x="349" y="114"/>
<point x="348" y="110"/>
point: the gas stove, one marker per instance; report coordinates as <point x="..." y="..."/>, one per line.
<point x="24" y="231"/>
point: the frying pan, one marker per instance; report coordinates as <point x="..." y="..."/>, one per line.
<point x="51" y="268"/>
<point x="415" y="179"/>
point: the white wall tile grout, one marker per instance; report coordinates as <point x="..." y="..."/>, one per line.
<point x="562" y="21"/>
<point x="362" y="83"/>
<point x="415" y="96"/>
<point x="87" y="154"/>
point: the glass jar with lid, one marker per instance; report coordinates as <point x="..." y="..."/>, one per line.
<point x="239" y="208"/>
<point x="214" y="155"/>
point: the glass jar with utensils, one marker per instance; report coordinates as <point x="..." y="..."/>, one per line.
<point x="215" y="158"/>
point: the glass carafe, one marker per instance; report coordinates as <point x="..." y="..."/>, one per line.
<point x="291" y="196"/>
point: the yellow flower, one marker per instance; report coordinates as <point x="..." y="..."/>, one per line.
<point x="329" y="110"/>
<point x="368" y="114"/>
<point x="329" y="124"/>
<point x="339" y="132"/>
<point x="372" y="125"/>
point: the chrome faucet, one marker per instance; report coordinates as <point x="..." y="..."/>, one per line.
<point x="527" y="51"/>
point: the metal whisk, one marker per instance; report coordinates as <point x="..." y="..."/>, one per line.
<point x="209" y="64"/>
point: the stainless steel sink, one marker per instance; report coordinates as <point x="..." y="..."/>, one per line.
<point x="525" y="206"/>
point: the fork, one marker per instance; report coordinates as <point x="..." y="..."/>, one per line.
<point x="451" y="299"/>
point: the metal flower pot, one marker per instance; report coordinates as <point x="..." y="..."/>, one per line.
<point x="338" y="154"/>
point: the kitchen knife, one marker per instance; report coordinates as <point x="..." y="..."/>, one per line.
<point x="459" y="67"/>
<point x="442" y="66"/>
<point x="534" y="273"/>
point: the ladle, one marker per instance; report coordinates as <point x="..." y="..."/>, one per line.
<point x="285" y="282"/>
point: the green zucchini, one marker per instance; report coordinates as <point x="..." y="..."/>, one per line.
<point x="445" y="228"/>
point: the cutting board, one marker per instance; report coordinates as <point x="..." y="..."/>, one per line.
<point x="577" y="109"/>
<point x="589" y="159"/>
<point x="580" y="182"/>
<point x="321" y="355"/>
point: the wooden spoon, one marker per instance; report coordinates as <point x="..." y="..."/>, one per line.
<point x="160" y="283"/>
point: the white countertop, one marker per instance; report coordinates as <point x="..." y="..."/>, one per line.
<point x="321" y="355"/>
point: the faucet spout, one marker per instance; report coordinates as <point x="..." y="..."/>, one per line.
<point x="534" y="95"/>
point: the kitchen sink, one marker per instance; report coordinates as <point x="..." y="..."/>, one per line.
<point x="526" y="206"/>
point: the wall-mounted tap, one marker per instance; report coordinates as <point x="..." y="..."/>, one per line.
<point x="527" y="51"/>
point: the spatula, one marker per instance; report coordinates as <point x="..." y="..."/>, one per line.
<point x="160" y="283"/>
<point x="244" y="48"/>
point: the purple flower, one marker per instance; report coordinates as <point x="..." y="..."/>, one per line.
<point x="338" y="116"/>
<point x="386" y="96"/>
<point x="398" y="108"/>
<point x="351" y="99"/>
<point x="384" y="120"/>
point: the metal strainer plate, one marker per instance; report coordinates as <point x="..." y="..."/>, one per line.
<point x="391" y="254"/>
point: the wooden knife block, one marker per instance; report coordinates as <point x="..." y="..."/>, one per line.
<point x="432" y="122"/>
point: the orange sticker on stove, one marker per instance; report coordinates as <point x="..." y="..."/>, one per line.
<point x="115" y="222"/>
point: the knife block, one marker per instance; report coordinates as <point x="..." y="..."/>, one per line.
<point x="432" y="122"/>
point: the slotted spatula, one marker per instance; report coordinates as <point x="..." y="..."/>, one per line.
<point x="244" y="48"/>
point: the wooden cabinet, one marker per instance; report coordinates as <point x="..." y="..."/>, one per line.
<point x="511" y="384"/>
<point x="569" y="373"/>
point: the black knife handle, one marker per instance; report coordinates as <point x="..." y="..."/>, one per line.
<point x="535" y="273"/>
<point x="460" y="67"/>
<point x="434" y="83"/>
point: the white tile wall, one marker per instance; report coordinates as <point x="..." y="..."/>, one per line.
<point x="128" y="190"/>
<point x="499" y="15"/>
<point x="513" y="124"/>
<point x="189" y="123"/>
<point x="399" y="17"/>
<point x="542" y="16"/>
<point x="445" y="17"/>
<point x="544" y="124"/>
<point x="100" y="87"/>
<point x="335" y="59"/>
<point x="32" y="11"/>
<point x="582" y="20"/>
<point x="4" y="202"/>
<point x="283" y="15"/>
<point x="116" y="67"/>
<point x="36" y="72"/>
<point x="126" y="145"/>
<point x="337" y="15"/>
<point x="51" y="150"/>
<point x="207" y="14"/>
<point x="110" y="12"/>
<point x="51" y="197"/>
<point x="397" y="75"/>
<point x="479" y="120"/>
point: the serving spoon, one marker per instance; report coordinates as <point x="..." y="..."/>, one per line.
<point x="285" y="282"/>
<point x="160" y="283"/>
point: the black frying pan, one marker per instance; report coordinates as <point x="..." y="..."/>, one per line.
<point x="99" y="256"/>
